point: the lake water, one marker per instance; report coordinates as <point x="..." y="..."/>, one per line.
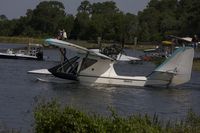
<point x="19" y="93"/>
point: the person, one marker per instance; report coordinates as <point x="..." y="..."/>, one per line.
<point x="195" y="41"/>
<point x="60" y="34"/>
<point x="64" y="35"/>
<point x="39" y="54"/>
<point x="63" y="55"/>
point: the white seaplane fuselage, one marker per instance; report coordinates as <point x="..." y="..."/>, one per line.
<point x="103" y="72"/>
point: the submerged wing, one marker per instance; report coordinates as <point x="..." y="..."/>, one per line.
<point x="76" y="48"/>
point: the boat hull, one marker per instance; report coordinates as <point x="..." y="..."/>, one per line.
<point x="112" y="81"/>
<point x="53" y="79"/>
<point x="13" y="56"/>
<point x="45" y="76"/>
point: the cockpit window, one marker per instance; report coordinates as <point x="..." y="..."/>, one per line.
<point x="87" y="63"/>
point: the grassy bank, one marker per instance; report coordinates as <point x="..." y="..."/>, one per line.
<point x="87" y="44"/>
<point x="20" y="40"/>
<point x="52" y="118"/>
<point x="26" y="40"/>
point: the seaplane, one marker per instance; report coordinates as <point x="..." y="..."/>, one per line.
<point x="92" y="67"/>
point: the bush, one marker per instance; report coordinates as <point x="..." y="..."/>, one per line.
<point x="52" y="118"/>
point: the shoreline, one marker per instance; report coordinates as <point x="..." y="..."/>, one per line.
<point x="87" y="44"/>
<point x="20" y="40"/>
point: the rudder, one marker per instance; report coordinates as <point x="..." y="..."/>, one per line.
<point x="175" y="70"/>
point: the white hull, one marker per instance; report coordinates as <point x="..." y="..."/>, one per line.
<point x="53" y="79"/>
<point x="16" y="56"/>
<point x="44" y="75"/>
<point x="112" y="81"/>
<point x="32" y="53"/>
<point x="88" y="80"/>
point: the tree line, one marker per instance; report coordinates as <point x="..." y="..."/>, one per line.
<point x="104" y="19"/>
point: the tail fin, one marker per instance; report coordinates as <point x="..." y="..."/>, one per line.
<point x="175" y="70"/>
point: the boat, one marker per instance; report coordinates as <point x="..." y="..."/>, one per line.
<point x="166" y="48"/>
<point x="90" y="67"/>
<point x="32" y="52"/>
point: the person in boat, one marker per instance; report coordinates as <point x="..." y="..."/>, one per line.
<point x="60" y="35"/>
<point x="195" y="41"/>
<point x="39" y="54"/>
<point x="64" y="35"/>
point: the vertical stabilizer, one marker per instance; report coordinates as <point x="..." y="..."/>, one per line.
<point x="175" y="70"/>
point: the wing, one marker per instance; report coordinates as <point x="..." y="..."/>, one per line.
<point x="186" y="39"/>
<point x="76" y="48"/>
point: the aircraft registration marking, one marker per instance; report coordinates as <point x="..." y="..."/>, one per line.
<point x="127" y="80"/>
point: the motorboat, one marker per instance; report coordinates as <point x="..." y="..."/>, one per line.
<point x="32" y="52"/>
<point x="92" y="67"/>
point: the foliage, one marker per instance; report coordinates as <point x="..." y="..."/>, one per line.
<point x="104" y="19"/>
<point x="3" y="17"/>
<point x="46" y="17"/>
<point x="160" y="19"/>
<point x="51" y="117"/>
<point x="84" y="7"/>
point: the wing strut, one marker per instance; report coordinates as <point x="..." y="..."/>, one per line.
<point x="64" y="59"/>
<point x="83" y="63"/>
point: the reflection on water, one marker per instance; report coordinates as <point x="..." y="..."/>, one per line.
<point x="19" y="93"/>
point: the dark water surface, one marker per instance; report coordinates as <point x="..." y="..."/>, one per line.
<point x="19" y="93"/>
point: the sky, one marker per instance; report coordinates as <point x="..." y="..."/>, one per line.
<point x="16" y="8"/>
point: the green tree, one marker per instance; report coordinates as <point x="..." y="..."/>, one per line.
<point x="47" y="16"/>
<point x="108" y="7"/>
<point x="159" y="19"/>
<point x="131" y="27"/>
<point x="97" y="25"/>
<point x="84" y="7"/>
<point x="102" y="19"/>
<point x="81" y="26"/>
<point x="7" y="27"/>
<point x="81" y="21"/>
<point x="3" y="17"/>
<point x="67" y="23"/>
<point x="169" y="24"/>
<point x="149" y="21"/>
<point x="191" y="16"/>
